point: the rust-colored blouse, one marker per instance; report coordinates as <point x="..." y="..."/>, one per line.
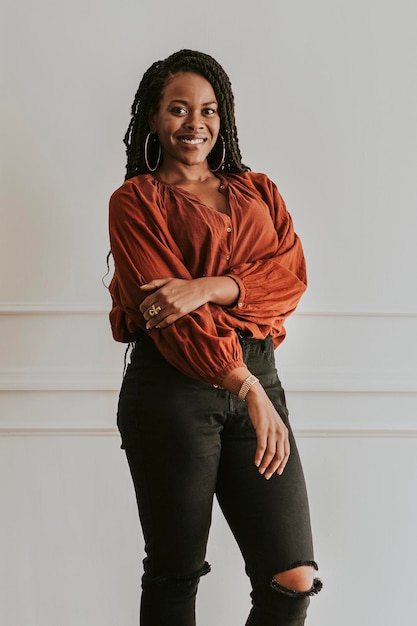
<point x="159" y="230"/>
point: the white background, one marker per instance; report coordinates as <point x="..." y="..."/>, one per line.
<point x="326" y="103"/>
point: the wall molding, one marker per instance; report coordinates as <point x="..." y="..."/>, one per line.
<point x="59" y="379"/>
<point x="103" y="431"/>
<point x="349" y="380"/>
<point x="102" y="308"/>
<point x="334" y="380"/>
<point x="54" y="308"/>
<point x="332" y="310"/>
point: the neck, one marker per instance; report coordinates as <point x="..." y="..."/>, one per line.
<point x="179" y="173"/>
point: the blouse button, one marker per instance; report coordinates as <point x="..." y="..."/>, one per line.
<point x="228" y="257"/>
<point x="240" y="305"/>
<point x="228" y="229"/>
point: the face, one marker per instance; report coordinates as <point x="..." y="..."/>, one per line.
<point x="187" y="121"/>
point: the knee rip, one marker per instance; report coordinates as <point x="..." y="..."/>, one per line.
<point x="298" y="580"/>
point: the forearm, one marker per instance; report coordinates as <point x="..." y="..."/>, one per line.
<point x="221" y="290"/>
<point x="273" y="448"/>
<point x="234" y="380"/>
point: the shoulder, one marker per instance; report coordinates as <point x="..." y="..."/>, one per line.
<point x="252" y="180"/>
<point x="143" y="184"/>
<point x="137" y="192"/>
<point x="256" y="182"/>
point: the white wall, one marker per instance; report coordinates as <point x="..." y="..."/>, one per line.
<point x="326" y="100"/>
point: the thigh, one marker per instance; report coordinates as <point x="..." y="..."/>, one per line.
<point x="270" y="519"/>
<point x="170" y="430"/>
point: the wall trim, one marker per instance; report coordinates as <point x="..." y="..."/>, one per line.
<point x="101" y="431"/>
<point x="332" y="310"/>
<point x="58" y="379"/>
<point x="334" y="380"/>
<point x="349" y="380"/>
<point x="102" y="308"/>
<point x="54" y="308"/>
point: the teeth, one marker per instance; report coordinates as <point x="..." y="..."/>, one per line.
<point x="192" y="141"/>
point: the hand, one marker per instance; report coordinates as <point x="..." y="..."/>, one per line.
<point x="172" y="298"/>
<point x="273" y="449"/>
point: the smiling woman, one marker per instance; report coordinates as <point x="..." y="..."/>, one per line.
<point x="187" y="121"/>
<point x="207" y="269"/>
<point x="187" y="125"/>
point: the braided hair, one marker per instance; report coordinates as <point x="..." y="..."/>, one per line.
<point x="148" y="97"/>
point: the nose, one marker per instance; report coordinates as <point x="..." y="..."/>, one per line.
<point x="194" y="120"/>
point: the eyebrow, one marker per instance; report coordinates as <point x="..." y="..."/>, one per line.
<point x="186" y="102"/>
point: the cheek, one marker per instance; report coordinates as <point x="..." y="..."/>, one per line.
<point x="215" y="129"/>
<point x="165" y="132"/>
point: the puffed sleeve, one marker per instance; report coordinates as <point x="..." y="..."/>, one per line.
<point x="270" y="288"/>
<point x="201" y="344"/>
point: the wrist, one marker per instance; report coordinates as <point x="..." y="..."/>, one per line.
<point x="234" y="379"/>
<point x="246" y="386"/>
<point x="221" y="290"/>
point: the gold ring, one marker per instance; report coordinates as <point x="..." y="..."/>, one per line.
<point x="154" y="310"/>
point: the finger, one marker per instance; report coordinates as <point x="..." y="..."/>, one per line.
<point x="281" y="456"/>
<point x="269" y="459"/>
<point x="279" y="462"/>
<point x="162" y="321"/>
<point x="154" y="323"/>
<point x="156" y="283"/>
<point x="147" y="287"/>
<point x="260" y="448"/>
<point x="273" y="467"/>
<point x="146" y="305"/>
<point x="153" y="313"/>
<point x="284" y="461"/>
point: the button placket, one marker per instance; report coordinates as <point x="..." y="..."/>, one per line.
<point x="228" y="231"/>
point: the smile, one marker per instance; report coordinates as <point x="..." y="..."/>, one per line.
<point x="192" y="142"/>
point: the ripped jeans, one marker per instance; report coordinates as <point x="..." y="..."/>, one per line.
<point x="187" y="441"/>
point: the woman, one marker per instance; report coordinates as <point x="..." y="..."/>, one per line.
<point x="207" y="268"/>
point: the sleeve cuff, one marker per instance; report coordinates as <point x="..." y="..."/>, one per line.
<point x="217" y="382"/>
<point x="241" y="301"/>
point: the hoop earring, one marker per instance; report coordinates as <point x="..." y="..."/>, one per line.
<point x="216" y="169"/>
<point x="151" y="169"/>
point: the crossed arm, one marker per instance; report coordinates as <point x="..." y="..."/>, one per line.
<point x="138" y="237"/>
<point x="178" y="297"/>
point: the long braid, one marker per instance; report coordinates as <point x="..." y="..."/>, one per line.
<point x="149" y="94"/>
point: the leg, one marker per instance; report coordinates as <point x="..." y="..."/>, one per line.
<point x="175" y="526"/>
<point x="172" y="447"/>
<point x="299" y="579"/>
<point x="270" y="519"/>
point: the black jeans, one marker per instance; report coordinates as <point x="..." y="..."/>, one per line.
<point x="187" y="441"/>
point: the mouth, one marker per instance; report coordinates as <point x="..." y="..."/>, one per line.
<point x="194" y="141"/>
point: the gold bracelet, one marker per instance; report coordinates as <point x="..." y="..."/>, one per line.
<point x="246" y="385"/>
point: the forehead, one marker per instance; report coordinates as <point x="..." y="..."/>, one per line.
<point x="188" y="86"/>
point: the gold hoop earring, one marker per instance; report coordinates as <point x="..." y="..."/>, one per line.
<point x="216" y="169"/>
<point x="151" y="169"/>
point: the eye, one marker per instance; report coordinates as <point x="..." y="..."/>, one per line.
<point x="209" y="111"/>
<point x="177" y="110"/>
